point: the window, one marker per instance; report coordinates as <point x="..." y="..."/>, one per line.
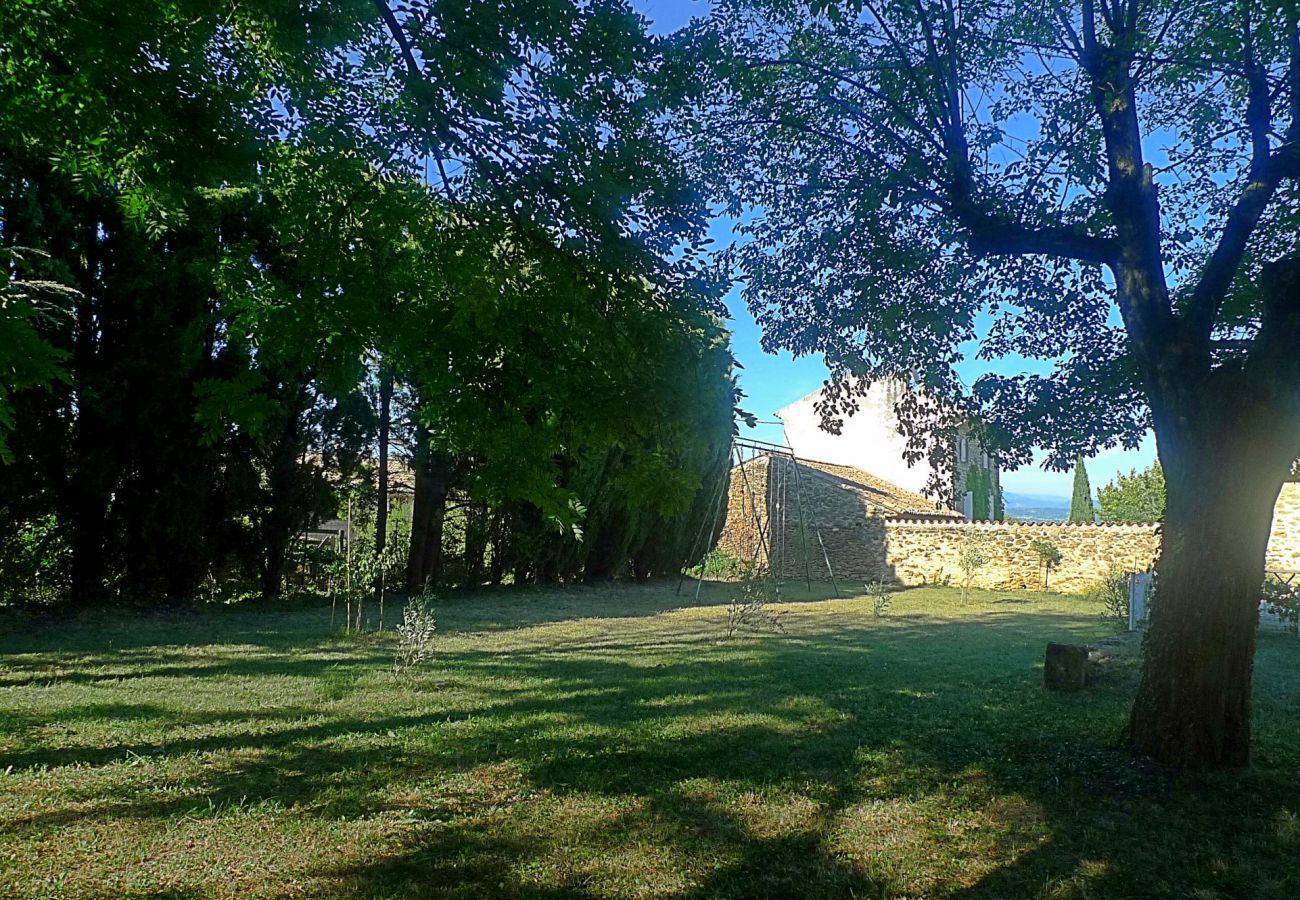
<point x="963" y="450"/>
<point x="968" y="505"/>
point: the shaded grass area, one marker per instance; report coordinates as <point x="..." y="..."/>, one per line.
<point x="606" y="743"/>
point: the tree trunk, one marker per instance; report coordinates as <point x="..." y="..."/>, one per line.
<point x="281" y="519"/>
<point x="476" y="541"/>
<point x="1193" y="702"/>
<point x="87" y="500"/>
<point x="385" y="426"/>
<point x="433" y="476"/>
<point x="500" y="547"/>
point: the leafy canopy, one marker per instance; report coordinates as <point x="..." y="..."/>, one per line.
<point x="1138" y="496"/>
<point x="917" y="181"/>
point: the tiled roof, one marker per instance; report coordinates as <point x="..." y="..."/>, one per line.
<point x="885" y="497"/>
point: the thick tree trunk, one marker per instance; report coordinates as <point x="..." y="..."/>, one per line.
<point x="385" y="427"/>
<point x="433" y="477"/>
<point x="86" y="514"/>
<point x="1193" y="702"/>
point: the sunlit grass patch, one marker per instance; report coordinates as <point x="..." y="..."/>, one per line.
<point x="613" y="743"/>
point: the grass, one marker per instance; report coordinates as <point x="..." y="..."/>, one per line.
<point x="606" y="743"/>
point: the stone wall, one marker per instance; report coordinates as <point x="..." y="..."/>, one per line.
<point x="842" y="527"/>
<point x="929" y="552"/>
<point x="741" y="529"/>
<point x="1284" y="542"/>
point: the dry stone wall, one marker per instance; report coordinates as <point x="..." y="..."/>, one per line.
<point x="930" y="552"/>
<point x="746" y="512"/>
<point x="1284" y="542"/>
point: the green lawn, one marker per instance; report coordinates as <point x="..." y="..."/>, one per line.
<point x="607" y="743"/>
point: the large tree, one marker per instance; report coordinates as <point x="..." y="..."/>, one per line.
<point x="1107" y="185"/>
<point x="230" y="229"/>
<point x="1135" y="497"/>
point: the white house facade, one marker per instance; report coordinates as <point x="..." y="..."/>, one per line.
<point x="872" y="440"/>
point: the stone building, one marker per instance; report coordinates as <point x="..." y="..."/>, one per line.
<point x="870" y="440"/>
<point x="804" y="516"/>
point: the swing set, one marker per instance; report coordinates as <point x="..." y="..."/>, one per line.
<point x="769" y="516"/>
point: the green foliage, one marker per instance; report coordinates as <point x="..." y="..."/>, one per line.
<point x="893" y="210"/>
<point x="260" y="209"/>
<point x="1081" y="508"/>
<point x="973" y="556"/>
<point x="979" y="481"/>
<point x="1135" y="497"/>
<point x="33" y="564"/>
<point x="1049" y="556"/>
<point x="1282" y="599"/>
<point x="717" y="565"/>
<point x="31" y="307"/>
<point x="881" y="598"/>
<point x="1112" y="592"/>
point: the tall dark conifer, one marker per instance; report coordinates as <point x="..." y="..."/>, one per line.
<point x="1081" y="507"/>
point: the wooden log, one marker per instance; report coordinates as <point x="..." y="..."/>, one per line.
<point x="1065" y="667"/>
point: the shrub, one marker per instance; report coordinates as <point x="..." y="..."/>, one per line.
<point x="718" y="565"/>
<point x="748" y="607"/>
<point x="33" y="564"/>
<point x="1049" y="556"/>
<point x="1112" y="592"/>
<point x="415" y="635"/>
<point x="880" y="598"/>
<point x="1283" y="601"/>
<point x="974" y="556"/>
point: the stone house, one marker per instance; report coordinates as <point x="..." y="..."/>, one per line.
<point x="871" y="441"/>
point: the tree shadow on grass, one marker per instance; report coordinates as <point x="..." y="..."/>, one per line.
<point x="914" y="715"/>
<point x="1097" y="818"/>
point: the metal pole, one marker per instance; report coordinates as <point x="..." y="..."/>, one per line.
<point x="827" y="557"/>
<point x="717" y="513"/>
<point x="785" y="488"/>
<point x="717" y="505"/>
<point x="753" y="504"/>
<point x="803" y="531"/>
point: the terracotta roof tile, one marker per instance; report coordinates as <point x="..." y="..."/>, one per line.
<point x="890" y="499"/>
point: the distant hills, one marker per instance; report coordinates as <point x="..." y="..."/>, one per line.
<point x="1036" y="507"/>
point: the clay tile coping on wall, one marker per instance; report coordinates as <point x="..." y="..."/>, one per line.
<point x="1113" y="526"/>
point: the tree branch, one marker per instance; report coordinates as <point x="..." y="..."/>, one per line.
<point x="413" y="67"/>
<point x="1221" y="268"/>
<point x="991" y="237"/>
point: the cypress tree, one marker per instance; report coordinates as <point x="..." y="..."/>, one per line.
<point x="1081" y="508"/>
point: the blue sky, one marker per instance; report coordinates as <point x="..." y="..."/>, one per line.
<point x="773" y="381"/>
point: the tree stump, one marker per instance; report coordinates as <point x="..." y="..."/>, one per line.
<point x="1065" y="667"/>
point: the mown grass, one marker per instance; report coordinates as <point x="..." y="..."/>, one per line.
<point x="607" y="743"/>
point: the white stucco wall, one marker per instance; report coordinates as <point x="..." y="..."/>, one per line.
<point x="870" y="439"/>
